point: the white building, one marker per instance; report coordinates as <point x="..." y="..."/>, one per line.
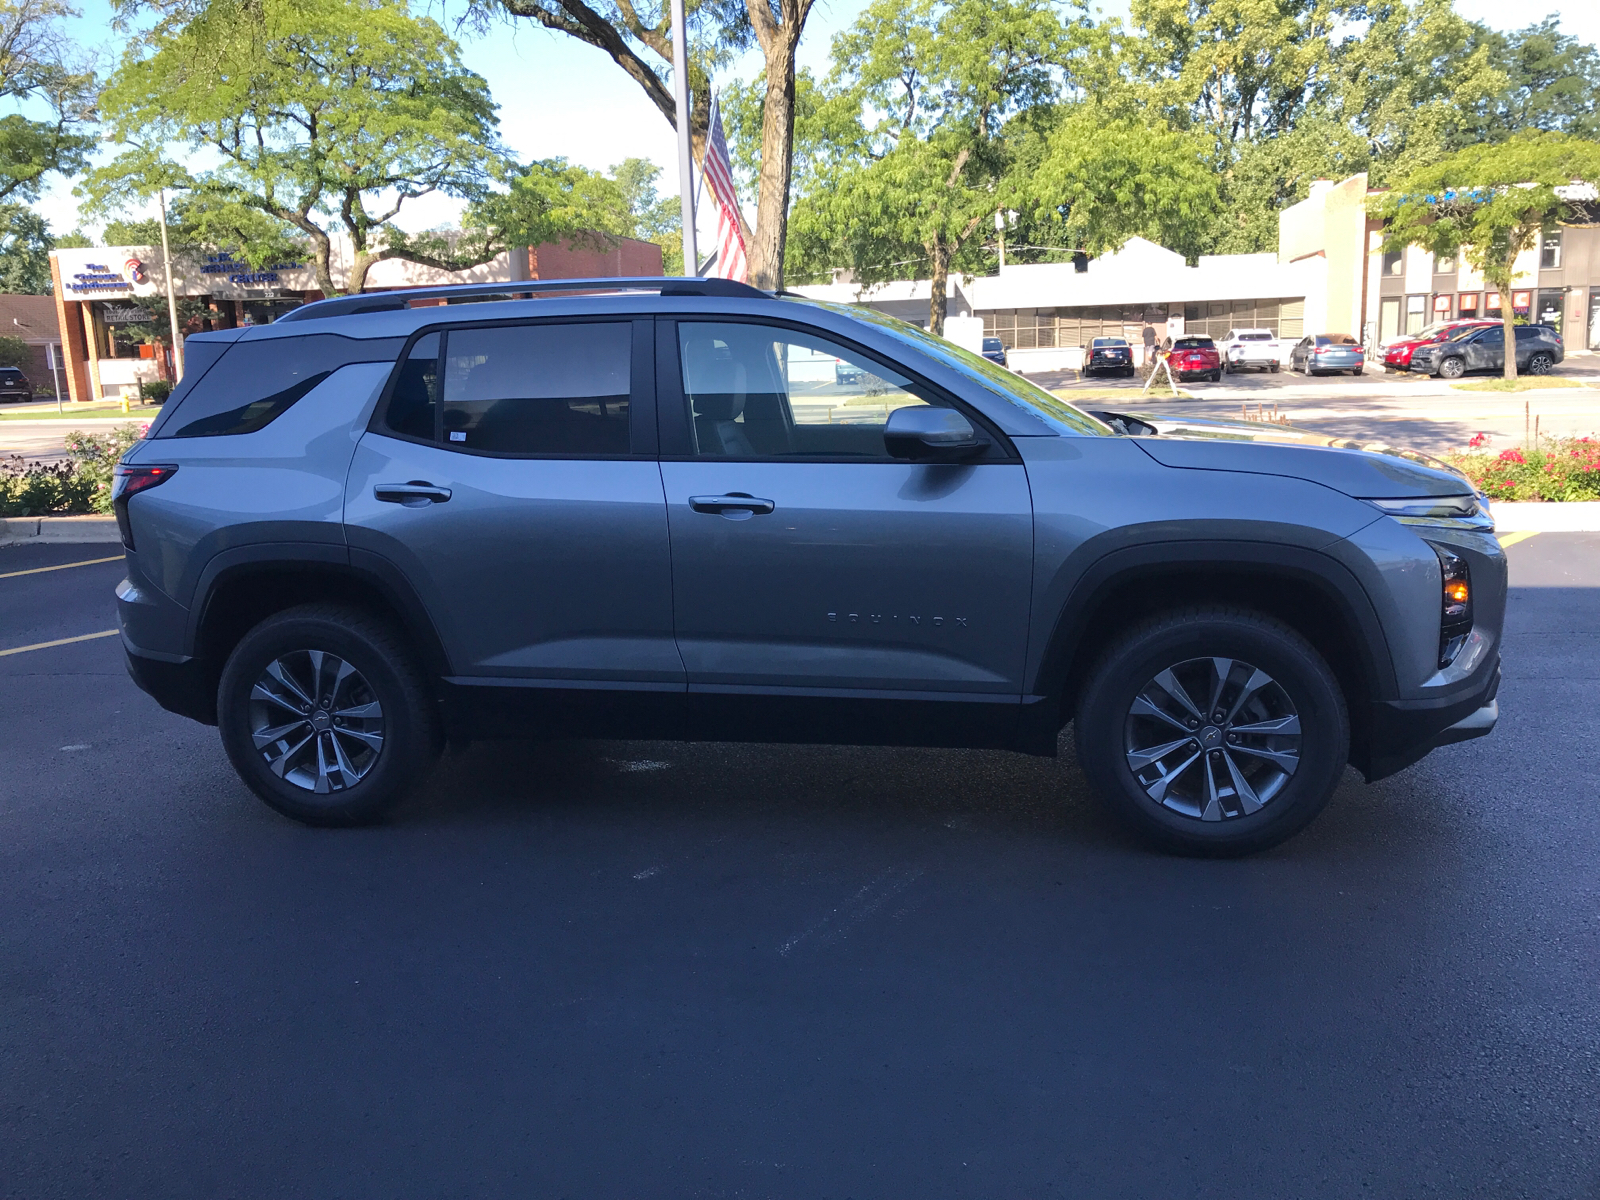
<point x="1045" y="313"/>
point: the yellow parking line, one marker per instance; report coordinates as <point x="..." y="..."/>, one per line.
<point x="1507" y="540"/>
<point x="88" y="562"/>
<point x="87" y="637"/>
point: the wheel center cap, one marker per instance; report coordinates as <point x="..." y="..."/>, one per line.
<point x="320" y="720"/>
<point x="1210" y="736"/>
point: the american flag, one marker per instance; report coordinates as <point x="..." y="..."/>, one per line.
<point x="718" y="183"/>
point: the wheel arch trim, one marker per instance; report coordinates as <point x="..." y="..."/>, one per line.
<point x="1114" y="570"/>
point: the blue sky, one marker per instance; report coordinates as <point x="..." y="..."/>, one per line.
<point x="560" y="98"/>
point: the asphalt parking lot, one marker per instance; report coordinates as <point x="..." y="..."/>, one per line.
<point x="601" y="970"/>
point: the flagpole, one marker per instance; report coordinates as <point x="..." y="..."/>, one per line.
<point x="680" y="86"/>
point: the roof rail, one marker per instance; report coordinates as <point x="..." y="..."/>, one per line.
<point x="364" y="302"/>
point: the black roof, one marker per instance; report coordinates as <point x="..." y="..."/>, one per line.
<point x="366" y="302"/>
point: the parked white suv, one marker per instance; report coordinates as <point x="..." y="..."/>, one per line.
<point x="1258" y="348"/>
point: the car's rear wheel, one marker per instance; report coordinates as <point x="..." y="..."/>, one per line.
<point x="1540" y="364"/>
<point x="1452" y="368"/>
<point x="1213" y="731"/>
<point x="325" y="715"/>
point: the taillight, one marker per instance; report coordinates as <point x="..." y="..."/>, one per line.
<point x="1456" y="611"/>
<point x="128" y="481"/>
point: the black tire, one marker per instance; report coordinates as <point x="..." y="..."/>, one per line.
<point x="1216" y="376"/>
<point x="1452" y="368"/>
<point x="1105" y="725"/>
<point x="1540" y="364"/>
<point x="1273" y="368"/>
<point x="385" y="671"/>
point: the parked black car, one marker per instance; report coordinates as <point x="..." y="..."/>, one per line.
<point x="14" y="385"/>
<point x="994" y="350"/>
<point x="1108" y="354"/>
<point x="1483" y="348"/>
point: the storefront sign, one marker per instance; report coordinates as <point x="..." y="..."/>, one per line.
<point x="97" y="279"/>
<point x="1441" y="304"/>
<point x="243" y="274"/>
<point x="1521" y="300"/>
<point x="124" y="314"/>
<point x="1469" y="304"/>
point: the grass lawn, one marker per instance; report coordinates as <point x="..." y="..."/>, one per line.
<point x="1522" y="383"/>
<point x="98" y="409"/>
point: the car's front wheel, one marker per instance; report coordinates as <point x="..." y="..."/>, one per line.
<point x="325" y="715"/>
<point x="1452" y="368"/>
<point x="1213" y="731"/>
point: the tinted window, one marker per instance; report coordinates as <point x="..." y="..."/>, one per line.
<point x="992" y="344"/>
<point x="538" y="389"/>
<point x="1193" y="343"/>
<point x="755" y="391"/>
<point x="414" y="405"/>
<point x="1110" y="341"/>
<point x="1255" y="337"/>
<point x="1526" y="333"/>
<point x="254" y="382"/>
<point x="10" y="373"/>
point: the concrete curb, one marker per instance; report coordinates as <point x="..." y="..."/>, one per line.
<point x="1579" y="516"/>
<point x="35" y="531"/>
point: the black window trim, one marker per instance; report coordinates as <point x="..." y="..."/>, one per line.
<point x="641" y="387"/>
<point x="672" y="407"/>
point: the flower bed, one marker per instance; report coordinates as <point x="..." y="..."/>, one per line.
<point x="1556" y="469"/>
<point x="82" y="484"/>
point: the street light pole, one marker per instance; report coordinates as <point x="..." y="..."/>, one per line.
<point x="680" y="87"/>
<point x="172" y="301"/>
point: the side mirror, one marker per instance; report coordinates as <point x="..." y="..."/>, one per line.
<point x="922" y="433"/>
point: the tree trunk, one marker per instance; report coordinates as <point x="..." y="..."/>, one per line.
<point x="938" y="299"/>
<point x="1508" y="319"/>
<point x="777" y="154"/>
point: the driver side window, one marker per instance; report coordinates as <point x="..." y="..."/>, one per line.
<point x="762" y="392"/>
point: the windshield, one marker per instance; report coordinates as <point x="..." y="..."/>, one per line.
<point x="992" y="344"/>
<point x="1466" y="331"/>
<point x="1110" y="342"/>
<point x="995" y="379"/>
<point x="1193" y="343"/>
<point x="1255" y="337"/>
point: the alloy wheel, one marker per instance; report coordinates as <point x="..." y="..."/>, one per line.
<point x="1540" y="364"/>
<point x="316" y="721"/>
<point x="1452" y="368"/>
<point x="1212" y="738"/>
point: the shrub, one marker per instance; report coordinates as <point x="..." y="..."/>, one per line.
<point x="1556" y="469"/>
<point x="35" y="489"/>
<point x="94" y="456"/>
<point x="13" y="352"/>
<point x="155" y="391"/>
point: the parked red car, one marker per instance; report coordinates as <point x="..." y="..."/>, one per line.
<point x="1397" y="355"/>
<point x="1196" y="356"/>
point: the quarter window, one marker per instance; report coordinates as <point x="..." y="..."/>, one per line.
<point x="755" y="391"/>
<point x="536" y="389"/>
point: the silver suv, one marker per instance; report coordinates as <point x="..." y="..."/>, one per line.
<point x="689" y="509"/>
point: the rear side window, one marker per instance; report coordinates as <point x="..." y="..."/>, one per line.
<point x="255" y="382"/>
<point x="537" y="389"/>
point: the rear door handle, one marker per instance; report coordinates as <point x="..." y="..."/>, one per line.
<point x="732" y="502"/>
<point x="415" y="494"/>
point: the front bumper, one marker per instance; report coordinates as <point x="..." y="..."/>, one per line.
<point x="1402" y="732"/>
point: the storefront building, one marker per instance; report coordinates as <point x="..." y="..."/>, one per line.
<point x="1044" y="314"/>
<point x="111" y="302"/>
<point x="1557" y="283"/>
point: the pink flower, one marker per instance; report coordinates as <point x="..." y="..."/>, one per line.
<point x="1478" y="439"/>
<point x="1512" y="456"/>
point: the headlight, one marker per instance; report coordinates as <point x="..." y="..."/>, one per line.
<point x="1455" y="618"/>
<point x="1455" y="512"/>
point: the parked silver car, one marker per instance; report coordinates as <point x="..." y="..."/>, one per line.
<point x="663" y="512"/>
<point x="1326" y="353"/>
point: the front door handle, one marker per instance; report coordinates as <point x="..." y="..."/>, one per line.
<point x="733" y="502"/>
<point x="414" y="494"/>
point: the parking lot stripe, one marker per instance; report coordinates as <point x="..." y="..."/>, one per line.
<point x="1508" y="540"/>
<point x="86" y="637"/>
<point x="88" y="562"/>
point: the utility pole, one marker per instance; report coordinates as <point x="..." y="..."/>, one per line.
<point x="1000" y="228"/>
<point x="680" y="87"/>
<point x="172" y="301"/>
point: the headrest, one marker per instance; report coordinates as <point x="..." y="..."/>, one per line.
<point x="717" y="381"/>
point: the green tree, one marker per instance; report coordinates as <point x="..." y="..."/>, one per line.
<point x="1490" y="204"/>
<point x="39" y="68"/>
<point x="719" y="30"/>
<point x="941" y="79"/>
<point x="13" y="352"/>
<point x="1101" y="180"/>
<point x="25" y="245"/>
<point x="312" y="117"/>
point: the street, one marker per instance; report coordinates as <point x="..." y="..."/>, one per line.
<point x="594" y="970"/>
